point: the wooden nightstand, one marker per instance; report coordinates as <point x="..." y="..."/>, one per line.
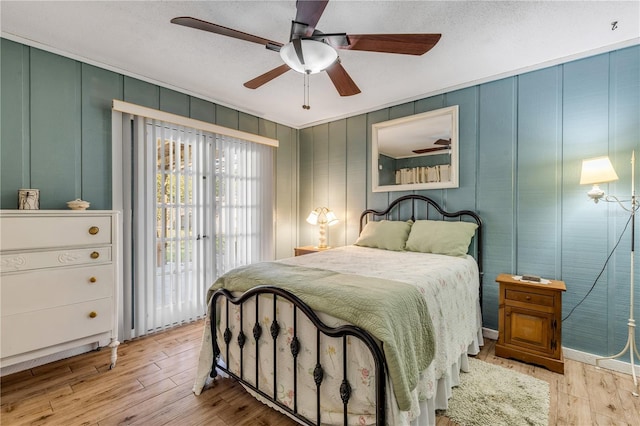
<point x="299" y="251"/>
<point x="530" y="322"/>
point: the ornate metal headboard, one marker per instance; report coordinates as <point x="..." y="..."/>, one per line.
<point x="415" y="207"/>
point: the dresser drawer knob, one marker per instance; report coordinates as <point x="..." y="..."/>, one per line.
<point x="528" y="298"/>
<point x="95" y="255"/>
<point x="93" y="279"/>
<point x="93" y="314"/>
<point x="94" y="230"/>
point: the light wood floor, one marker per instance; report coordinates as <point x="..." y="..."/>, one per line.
<point x="151" y="385"/>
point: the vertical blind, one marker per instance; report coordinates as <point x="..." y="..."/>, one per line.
<point x="202" y="203"/>
<point x="244" y="203"/>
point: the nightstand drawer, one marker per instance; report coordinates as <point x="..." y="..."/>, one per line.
<point x="526" y="297"/>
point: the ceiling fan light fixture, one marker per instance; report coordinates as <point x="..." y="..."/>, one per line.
<point x="317" y="55"/>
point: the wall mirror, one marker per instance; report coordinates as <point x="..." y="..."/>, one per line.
<point x="416" y="152"/>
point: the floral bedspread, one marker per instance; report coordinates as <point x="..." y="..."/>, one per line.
<point x="450" y="288"/>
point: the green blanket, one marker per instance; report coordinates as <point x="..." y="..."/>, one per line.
<point x="394" y="312"/>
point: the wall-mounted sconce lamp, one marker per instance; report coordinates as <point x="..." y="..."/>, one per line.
<point x="322" y="216"/>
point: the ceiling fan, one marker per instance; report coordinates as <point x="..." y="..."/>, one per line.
<point x="444" y="145"/>
<point x="310" y="51"/>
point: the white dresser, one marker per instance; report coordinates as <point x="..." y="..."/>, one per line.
<point x="59" y="282"/>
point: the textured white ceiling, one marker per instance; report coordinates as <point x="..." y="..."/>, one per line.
<point x="481" y="41"/>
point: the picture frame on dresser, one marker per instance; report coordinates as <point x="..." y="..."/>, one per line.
<point x="60" y="278"/>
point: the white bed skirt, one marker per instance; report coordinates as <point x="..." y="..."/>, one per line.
<point x="440" y="401"/>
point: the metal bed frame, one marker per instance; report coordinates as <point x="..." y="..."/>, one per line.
<point x="342" y="332"/>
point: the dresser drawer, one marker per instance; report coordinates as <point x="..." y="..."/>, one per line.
<point x="532" y="298"/>
<point x="35" y="232"/>
<point x="24" y="292"/>
<point x="54" y="258"/>
<point x="39" y="329"/>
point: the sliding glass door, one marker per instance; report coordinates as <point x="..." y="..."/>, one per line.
<point x="196" y="204"/>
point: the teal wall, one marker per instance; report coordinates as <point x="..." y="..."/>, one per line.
<point x="522" y="140"/>
<point x="56" y="132"/>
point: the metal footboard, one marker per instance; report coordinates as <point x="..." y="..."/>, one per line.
<point x="240" y="339"/>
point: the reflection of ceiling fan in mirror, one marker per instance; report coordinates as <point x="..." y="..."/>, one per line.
<point x="445" y="145"/>
<point x="310" y="51"/>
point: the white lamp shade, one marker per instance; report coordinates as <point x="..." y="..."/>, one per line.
<point x="313" y="217"/>
<point x="597" y="170"/>
<point x="331" y="218"/>
<point x="316" y="54"/>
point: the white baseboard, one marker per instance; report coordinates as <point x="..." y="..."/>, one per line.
<point x="489" y="333"/>
<point x="584" y="357"/>
<point x="609" y="364"/>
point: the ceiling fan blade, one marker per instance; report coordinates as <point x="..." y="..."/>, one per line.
<point x="219" y="29"/>
<point x="443" y="142"/>
<point x="267" y="77"/>
<point x="405" y="44"/>
<point x="425" y="150"/>
<point x="309" y="12"/>
<point x="341" y="79"/>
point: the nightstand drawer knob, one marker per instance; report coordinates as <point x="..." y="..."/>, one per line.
<point x="528" y="298"/>
<point x="93" y="314"/>
<point x="94" y="230"/>
<point x="93" y="279"/>
<point x="95" y="255"/>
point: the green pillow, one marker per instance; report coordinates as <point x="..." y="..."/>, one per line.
<point x="385" y="234"/>
<point x="440" y="237"/>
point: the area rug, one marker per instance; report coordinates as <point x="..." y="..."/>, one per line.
<point x="493" y="395"/>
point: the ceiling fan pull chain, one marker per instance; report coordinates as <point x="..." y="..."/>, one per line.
<point x="306" y="91"/>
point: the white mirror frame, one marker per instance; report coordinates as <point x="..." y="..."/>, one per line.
<point x="399" y="123"/>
